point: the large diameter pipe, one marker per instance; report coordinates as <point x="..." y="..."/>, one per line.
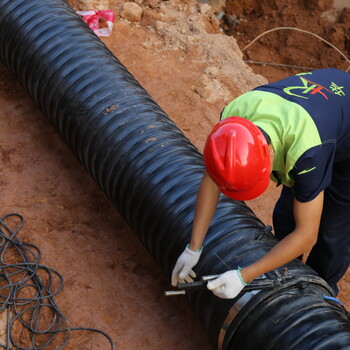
<point x="150" y="171"/>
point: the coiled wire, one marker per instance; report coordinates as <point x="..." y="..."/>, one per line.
<point x="27" y="291"/>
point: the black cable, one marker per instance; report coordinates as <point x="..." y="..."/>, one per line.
<point x="27" y="292"/>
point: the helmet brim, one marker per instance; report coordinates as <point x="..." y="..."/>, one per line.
<point x="247" y="195"/>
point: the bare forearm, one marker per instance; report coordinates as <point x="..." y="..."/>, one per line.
<point x="295" y="244"/>
<point x="207" y="199"/>
<point x="285" y="251"/>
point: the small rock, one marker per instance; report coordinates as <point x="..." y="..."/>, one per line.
<point x="132" y="12"/>
<point x="205" y="9"/>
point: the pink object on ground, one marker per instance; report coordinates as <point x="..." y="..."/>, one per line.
<point x="92" y="19"/>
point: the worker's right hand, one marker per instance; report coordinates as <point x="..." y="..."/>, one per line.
<point x="183" y="268"/>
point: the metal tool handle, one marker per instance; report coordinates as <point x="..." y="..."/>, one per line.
<point x="172" y="293"/>
<point x="182" y="287"/>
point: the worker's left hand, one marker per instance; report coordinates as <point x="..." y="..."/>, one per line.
<point x="182" y="271"/>
<point x="228" y="285"/>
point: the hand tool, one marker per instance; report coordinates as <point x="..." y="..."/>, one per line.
<point x="257" y="284"/>
<point x="183" y="287"/>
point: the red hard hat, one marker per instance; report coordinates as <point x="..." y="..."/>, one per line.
<point x="237" y="158"/>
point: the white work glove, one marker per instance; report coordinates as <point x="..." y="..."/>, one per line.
<point x="228" y="285"/>
<point x="183" y="268"/>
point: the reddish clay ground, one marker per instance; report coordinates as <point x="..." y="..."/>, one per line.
<point x="111" y="283"/>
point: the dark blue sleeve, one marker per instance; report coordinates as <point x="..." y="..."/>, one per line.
<point x="312" y="172"/>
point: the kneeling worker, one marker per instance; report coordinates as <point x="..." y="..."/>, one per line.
<point x="296" y="131"/>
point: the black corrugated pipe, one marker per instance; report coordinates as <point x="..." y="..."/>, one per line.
<point x="150" y="171"/>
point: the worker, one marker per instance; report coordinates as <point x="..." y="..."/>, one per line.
<point x="295" y="131"/>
